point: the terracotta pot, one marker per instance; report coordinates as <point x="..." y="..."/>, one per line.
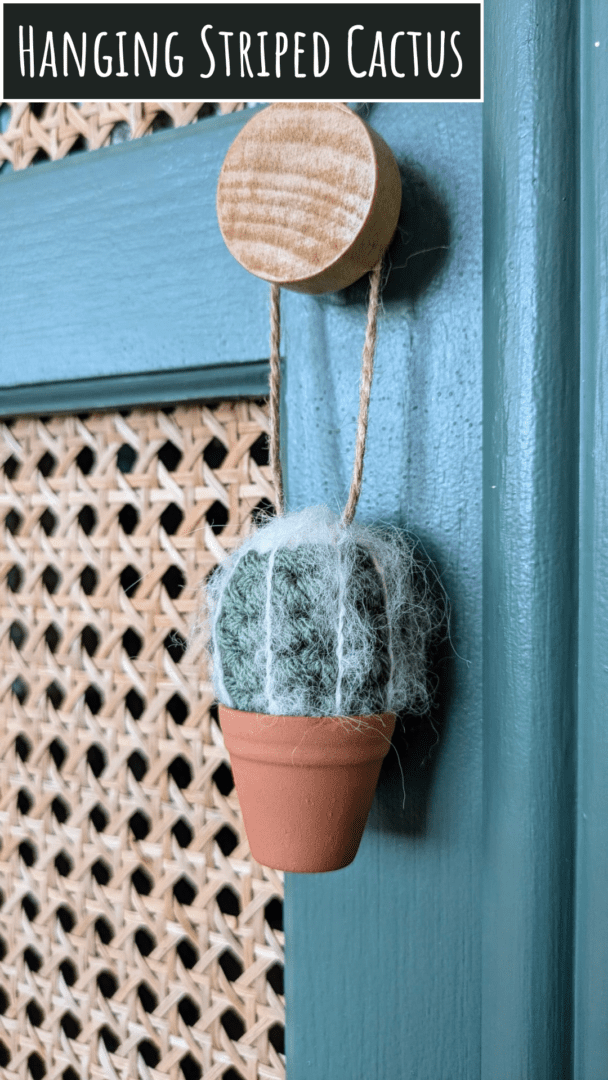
<point x="305" y="784"/>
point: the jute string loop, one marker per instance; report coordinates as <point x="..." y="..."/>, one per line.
<point x="365" y="386"/>
<point x="275" y="396"/>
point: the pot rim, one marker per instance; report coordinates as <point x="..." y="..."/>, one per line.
<point x="318" y="741"/>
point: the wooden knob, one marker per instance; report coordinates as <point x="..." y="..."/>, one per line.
<point x="308" y="196"/>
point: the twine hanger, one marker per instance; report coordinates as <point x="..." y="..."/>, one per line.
<point x="365" y="386"/>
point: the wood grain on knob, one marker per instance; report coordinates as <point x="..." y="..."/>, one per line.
<point x="308" y="196"/>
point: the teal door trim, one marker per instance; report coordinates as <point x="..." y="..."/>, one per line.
<point x="591" y="938"/>
<point x="383" y="958"/>
<point x="116" y="285"/>
<point x="530" y="498"/>
<point x="387" y="1001"/>
<point x="246" y="379"/>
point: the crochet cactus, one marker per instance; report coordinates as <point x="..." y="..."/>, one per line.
<point x="312" y="618"/>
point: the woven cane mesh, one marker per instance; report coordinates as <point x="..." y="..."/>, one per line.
<point x="46" y="131"/>
<point x="137" y="936"/>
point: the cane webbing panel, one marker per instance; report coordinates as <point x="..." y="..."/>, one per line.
<point x="46" y="131"/>
<point x="138" y="937"/>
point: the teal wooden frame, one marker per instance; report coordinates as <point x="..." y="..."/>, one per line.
<point x="531" y="421"/>
<point x="102" y="303"/>
<point x="591" y="895"/>
<point x="219" y="381"/>
<point x="383" y="958"/>
<point x="470" y="937"/>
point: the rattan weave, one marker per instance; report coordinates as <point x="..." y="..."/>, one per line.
<point x="36" y="131"/>
<point x="138" y="937"/>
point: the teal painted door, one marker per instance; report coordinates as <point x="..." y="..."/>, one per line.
<point x="384" y="957"/>
<point x="469" y="939"/>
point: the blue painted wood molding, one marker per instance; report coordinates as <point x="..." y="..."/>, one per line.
<point x="113" y="268"/>
<point x="530" y="496"/>
<point x="447" y="949"/>
<point x="591" y="899"/>
<point x="215" y="381"/>
<point x="383" y="958"/>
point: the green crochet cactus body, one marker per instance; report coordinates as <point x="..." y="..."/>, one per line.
<point x="310" y="618"/>
<point x="304" y="626"/>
